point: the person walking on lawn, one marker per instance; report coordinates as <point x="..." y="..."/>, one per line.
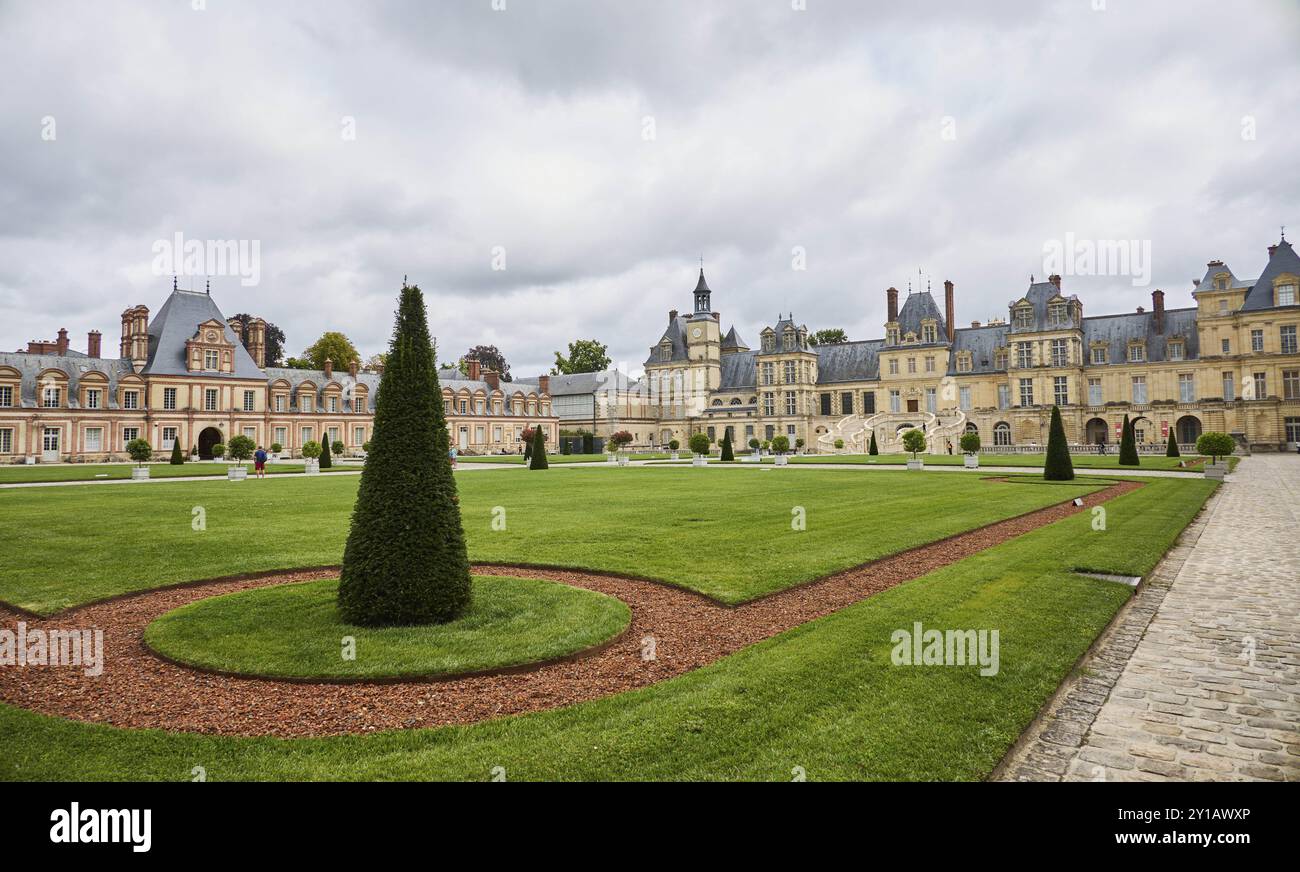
<point x="259" y="462"/>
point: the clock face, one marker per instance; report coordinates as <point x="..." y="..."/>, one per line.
<point x="212" y="337"/>
<point x="697" y="332"/>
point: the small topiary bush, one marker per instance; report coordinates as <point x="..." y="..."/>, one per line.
<point x="176" y="458"/>
<point x="218" y="451"/>
<point x="873" y="450"/>
<point x="1214" y="444"/>
<point x="674" y="445"/>
<point x="338" y="446"/>
<point x="140" y="451"/>
<point x="276" y="447"/>
<point x="970" y="443"/>
<point x="839" y="443"/>
<point x="538" y="458"/>
<point x="781" y="444"/>
<point x="241" y="448"/>
<point x="699" y="443"/>
<point x="311" y="449"/>
<point x="914" y="441"/>
<point x="326" y="459"/>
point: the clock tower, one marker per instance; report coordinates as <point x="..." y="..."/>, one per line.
<point x="704" y="343"/>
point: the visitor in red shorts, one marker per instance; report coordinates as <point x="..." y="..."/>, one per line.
<point x="259" y="462"/>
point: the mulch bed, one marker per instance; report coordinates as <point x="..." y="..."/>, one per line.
<point x="137" y="689"/>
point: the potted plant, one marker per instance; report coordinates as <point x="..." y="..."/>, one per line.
<point x="798" y="445"/>
<point x="765" y="447"/>
<point x="620" y="441"/>
<point x="699" y="445"/>
<point x="780" y="445"/>
<point x="218" y="451"/>
<point x="839" y="444"/>
<point x="241" y="448"/>
<point x="914" y="441"/>
<point x="970" y="446"/>
<point x="310" y="453"/>
<point x="276" y="448"/>
<point x="194" y="454"/>
<point x="339" y="448"/>
<point x="141" y="452"/>
<point x="1216" y="445"/>
<point x="674" y="446"/>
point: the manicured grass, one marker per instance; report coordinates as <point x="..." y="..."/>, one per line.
<point x="1080" y="461"/>
<point x="518" y="459"/>
<point x="730" y="534"/>
<point x="824" y="696"/>
<point x="88" y="471"/>
<point x="294" y="631"/>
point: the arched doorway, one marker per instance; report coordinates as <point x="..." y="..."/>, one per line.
<point x="1142" y="430"/>
<point x="209" y="437"/>
<point x="1098" y="432"/>
<point x="1001" y="433"/>
<point x="1187" y="429"/>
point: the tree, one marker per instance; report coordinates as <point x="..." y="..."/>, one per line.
<point x="754" y="444"/>
<point x="140" y="451"/>
<point x="728" y="456"/>
<point x="538" y="460"/>
<point x="914" y="441"/>
<point x="405" y="560"/>
<point x="585" y="355"/>
<point x="1128" y="453"/>
<point x="620" y="440"/>
<point x="1171" y="449"/>
<point x="1214" y="444"/>
<point x="1058" y="466"/>
<point x="698" y="443"/>
<point x="798" y="443"/>
<point x="489" y="358"/>
<point x="873" y="450"/>
<point x="332" y="346"/>
<point x="969" y="442"/>
<point x="326" y="457"/>
<point x="299" y="363"/>
<point x="241" y="448"/>
<point x="338" y="447"/>
<point x="829" y="336"/>
<point x="218" y="451"/>
<point x="311" y="449"/>
<point x="781" y="443"/>
<point x="176" y="459"/>
<point x="274" y="345"/>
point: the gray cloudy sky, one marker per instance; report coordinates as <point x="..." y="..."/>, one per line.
<point x="954" y="137"/>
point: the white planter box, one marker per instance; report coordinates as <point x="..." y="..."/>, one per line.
<point x="30" y="460"/>
<point x="611" y="459"/>
<point x="237" y="473"/>
<point x="194" y="458"/>
<point x="916" y="464"/>
<point x="699" y="460"/>
<point x="139" y="473"/>
<point x="781" y="460"/>
<point x="49" y="457"/>
<point x="1216" y="471"/>
<point x="622" y="461"/>
<point x="971" y="461"/>
<point x="311" y="467"/>
<point x="673" y="455"/>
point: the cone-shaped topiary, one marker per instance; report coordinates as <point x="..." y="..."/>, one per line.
<point x="1058" y="466"/>
<point x="325" y="461"/>
<point x="405" y="560"/>
<point x="538" y="460"/>
<point x="1128" y="451"/>
<point x="176" y="459"/>
<point x="727" y="455"/>
<point x="873" y="449"/>
<point x="1171" y="449"/>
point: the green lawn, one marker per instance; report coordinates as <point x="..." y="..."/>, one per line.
<point x="1080" y="461"/>
<point x="294" y="631"/>
<point x="726" y="533"/>
<point x="824" y="696"/>
<point x="14" y="474"/>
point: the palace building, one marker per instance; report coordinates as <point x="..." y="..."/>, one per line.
<point x="1227" y="363"/>
<point x="186" y="375"/>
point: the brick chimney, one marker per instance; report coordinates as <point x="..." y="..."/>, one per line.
<point x="353" y="366"/>
<point x="948" y="311"/>
<point x="1055" y="280"/>
<point x="1272" y="249"/>
<point x="672" y="315"/>
<point x="92" y="343"/>
<point x="474" y="369"/>
<point x="974" y="323"/>
<point x="1158" y="308"/>
<point x="493" y="379"/>
<point x="891" y="300"/>
<point x="543" y="384"/>
<point x="329" y="368"/>
<point x="62" y="345"/>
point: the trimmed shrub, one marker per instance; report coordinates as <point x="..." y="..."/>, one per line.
<point x="326" y="459"/>
<point x="405" y="560"/>
<point x="969" y="442"/>
<point x="241" y="448"/>
<point x="1214" y="444"/>
<point x="218" y="451"/>
<point x="339" y="447"/>
<point x="141" y="451"/>
<point x="1171" y="447"/>
<point x="194" y="451"/>
<point x="728" y="456"/>
<point x="914" y="441"/>
<point x="1058" y="466"/>
<point x="873" y="450"/>
<point x="839" y="443"/>
<point x="674" y="445"/>
<point x="588" y="443"/>
<point x="620" y="440"/>
<point x="1128" y="452"/>
<point x="538" y="458"/>
<point x="310" y="449"/>
<point x="753" y="444"/>
<point x="799" y="443"/>
<point x="698" y="443"/>
<point x="276" y="447"/>
<point x="176" y="459"/>
<point x="781" y="444"/>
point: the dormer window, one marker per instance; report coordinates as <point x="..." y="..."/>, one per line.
<point x="1137" y="353"/>
<point x="964" y="361"/>
<point x="1286" y="295"/>
<point x="1099" y="355"/>
<point x="1220" y="283"/>
<point x="928" y="332"/>
<point x="1024" y="316"/>
<point x="1176" y="349"/>
<point x="211" y="360"/>
<point x="1058" y="314"/>
<point x="893" y="335"/>
<point x="769" y="342"/>
<point x="788" y="340"/>
<point x="666" y="351"/>
<point x="1000" y="359"/>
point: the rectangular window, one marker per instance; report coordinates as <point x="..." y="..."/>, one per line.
<point x="1186" y="387"/>
<point x="359" y="435"/>
<point x="130" y="399"/>
<point x="846" y="403"/>
<point x="464" y="407"/>
<point x="1024" y="317"/>
<point x="6" y="397"/>
<point x="306" y="435"/>
<point x="769" y="371"/>
<point x="1223" y="307"/>
<point x="790" y="402"/>
<point x="929" y="364"/>
<point x="248" y="401"/>
<point x="1099" y="356"/>
<point x="869" y="403"/>
<point x="1292" y="430"/>
<point x="1137" y="353"/>
<point x="911" y="364"/>
<point x="94" y="439"/>
<point x="1175" y="351"/>
<point x="1291" y="384"/>
<point x="1056" y="315"/>
<point x="6" y="441"/>
<point x="931" y="401"/>
<point x="279" y="402"/>
<point x="789" y="372"/>
<point x="1257" y="340"/>
<point x="251" y="433"/>
<point x="963" y="363"/>
<point x="168" y="438"/>
<point x="1261" y="386"/>
<point x="1000" y="359"/>
<point x="211" y="360"/>
<point x="129" y="433"/>
<point x="1286" y="295"/>
<point x="1139" y="389"/>
<point x="1061" y="390"/>
<point x="281" y="435"/>
<point x="169" y="399"/>
<point x="1226" y="346"/>
<point x="769" y="403"/>
<point x="1287" y="336"/>
<point x="1004" y="396"/>
<point x="50" y="398"/>
<point x="210" y="399"/>
<point x="334" y="405"/>
<point x="92" y="399"/>
<point x="1060" y="352"/>
<point x="50" y="439"/>
<point x="1026" y="392"/>
<point x="895" y="401"/>
<point x="963" y="399"/>
<point x="1094" y="392"/>
<point x="1024" y="355"/>
<point x="893" y="366"/>
<point x="1229" y="386"/>
<point x="306" y="403"/>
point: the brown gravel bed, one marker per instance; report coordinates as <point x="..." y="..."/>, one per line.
<point x="138" y="689"/>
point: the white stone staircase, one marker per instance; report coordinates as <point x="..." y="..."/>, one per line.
<point x="939" y="429"/>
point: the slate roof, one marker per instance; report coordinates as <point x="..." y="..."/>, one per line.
<point x="296" y="377"/>
<point x="74" y="365"/>
<point x="1038" y="295"/>
<point x="1212" y="269"/>
<point x="980" y="342"/>
<point x="917" y="308"/>
<point x="849" y="361"/>
<point x="1283" y="260"/>
<point x="739" y="370"/>
<point x="591" y="382"/>
<point x="675" y="333"/>
<point x="176" y="323"/>
<point x="732" y="341"/>
<point x="1119" y="330"/>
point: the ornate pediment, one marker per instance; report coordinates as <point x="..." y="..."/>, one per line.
<point x="208" y="350"/>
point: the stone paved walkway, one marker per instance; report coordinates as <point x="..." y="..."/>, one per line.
<point x="1200" y="678"/>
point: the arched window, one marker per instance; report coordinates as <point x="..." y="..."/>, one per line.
<point x="735" y="401"/>
<point x="1001" y="433"/>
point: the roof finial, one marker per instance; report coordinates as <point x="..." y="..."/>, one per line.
<point x="208" y="282"/>
<point x="173" y="281"/>
<point x="1284" y="233"/>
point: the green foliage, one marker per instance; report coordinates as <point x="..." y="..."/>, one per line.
<point x="699" y="443"/>
<point x="338" y="447"/>
<point x="1128" y="453"/>
<point x="829" y="336"/>
<point x="241" y="448"/>
<point x="873" y="450"/>
<point x="1216" y="445"/>
<point x="335" y="347"/>
<point x="781" y="444"/>
<point x="276" y="447"/>
<point x="1171" y="448"/>
<point x="727" y="454"/>
<point x="490" y="359"/>
<point x="218" y="451"/>
<point x="326" y="457"/>
<point x="365" y="446"/>
<point x="311" y="449"/>
<point x="1058" y="466"/>
<point x="799" y="443"/>
<point x="585" y="355"/>
<point x="914" y="441"/>
<point x="140" y="451"/>
<point x="839" y="443"/>
<point x="969" y="442"/>
<point x="673" y="444"/>
<point x="405" y="560"/>
<point x="538" y="458"/>
<point x="176" y="458"/>
<point x="754" y="444"/>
